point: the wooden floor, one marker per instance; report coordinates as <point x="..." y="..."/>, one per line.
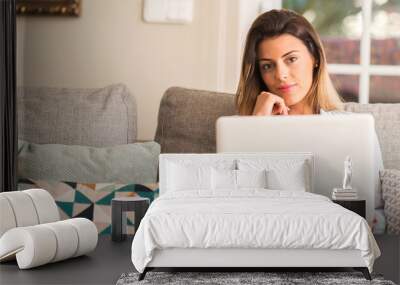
<point x="102" y="266"/>
<point x="110" y="260"/>
<point x="389" y="262"/>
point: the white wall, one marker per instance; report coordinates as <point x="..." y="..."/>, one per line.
<point x="110" y="43"/>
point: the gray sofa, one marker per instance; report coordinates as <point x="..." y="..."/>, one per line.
<point x="186" y="119"/>
<point x="186" y="122"/>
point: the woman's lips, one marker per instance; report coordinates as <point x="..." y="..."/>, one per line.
<point x="286" y="88"/>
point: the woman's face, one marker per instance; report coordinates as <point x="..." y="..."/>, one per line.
<point x="286" y="67"/>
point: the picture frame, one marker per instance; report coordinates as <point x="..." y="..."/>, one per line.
<point x="67" y="8"/>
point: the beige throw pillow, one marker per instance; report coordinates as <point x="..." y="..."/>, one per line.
<point x="391" y="196"/>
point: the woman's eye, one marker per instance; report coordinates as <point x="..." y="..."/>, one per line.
<point x="292" y="59"/>
<point x="266" y="66"/>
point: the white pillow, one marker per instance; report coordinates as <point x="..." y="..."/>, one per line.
<point x="251" y="178"/>
<point x="228" y="179"/>
<point x="183" y="177"/>
<point x="292" y="179"/>
<point x="282" y="174"/>
<point x="224" y="179"/>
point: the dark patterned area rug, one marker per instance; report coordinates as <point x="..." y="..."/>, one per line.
<point x="230" y="278"/>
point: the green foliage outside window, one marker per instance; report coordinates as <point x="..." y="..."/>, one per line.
<point x="326" y="16"/>
<point x="330" y="17"/>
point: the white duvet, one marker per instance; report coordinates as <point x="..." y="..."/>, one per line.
<point x="250" y="218"/>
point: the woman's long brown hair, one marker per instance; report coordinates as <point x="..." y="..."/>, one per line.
<point x="274" y="23"/>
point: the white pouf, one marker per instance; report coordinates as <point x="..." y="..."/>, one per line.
<point x="46" y="207"/>
<point x="31" y="232"/>
<point x="22" y="207"/>
<point x="7" y="218"/>
<point x="37" y="245"/>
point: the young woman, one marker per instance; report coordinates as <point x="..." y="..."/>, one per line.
<point x="284" y="69"/>
<point x="284" y="72"/>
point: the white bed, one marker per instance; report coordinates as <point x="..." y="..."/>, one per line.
<point x="247" y="227"/>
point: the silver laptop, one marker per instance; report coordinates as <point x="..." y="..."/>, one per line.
<point x="329" y="138"/>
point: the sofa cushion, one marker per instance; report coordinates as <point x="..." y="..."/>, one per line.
<point x="186" y="119"/>
<point x="391" y="197"/>
<point x="94" y="117"/>
<point x="127" y="163"/>
<point x="387" y="125"/>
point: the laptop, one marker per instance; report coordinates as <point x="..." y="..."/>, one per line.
<point x="329" y="138"/>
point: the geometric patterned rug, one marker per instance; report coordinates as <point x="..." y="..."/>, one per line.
<point x="91" y="200"/>
<point x="244" y="278"/>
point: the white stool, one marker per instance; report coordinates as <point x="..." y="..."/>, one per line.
<point x="30" y="230"/>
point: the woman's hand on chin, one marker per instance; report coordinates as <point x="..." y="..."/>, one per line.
<point x="270" y="104"/>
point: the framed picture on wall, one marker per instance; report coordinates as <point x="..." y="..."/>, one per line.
<point x="49" y="7"/>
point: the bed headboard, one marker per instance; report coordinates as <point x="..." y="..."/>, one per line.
<point x="229" y="161"/>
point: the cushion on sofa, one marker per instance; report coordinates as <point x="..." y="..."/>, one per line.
<point x="91" y="200"/>
<point x="387" y="125"/>
<point x="76" y="116"/>
<point x="391" y="196"/>
<point x="186" y="119"/>
<point x="128" y="163"/>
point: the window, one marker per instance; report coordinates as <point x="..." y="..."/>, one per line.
<point x="362" y="44"/>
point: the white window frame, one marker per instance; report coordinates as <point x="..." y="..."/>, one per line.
<point x="364" y="69"/>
